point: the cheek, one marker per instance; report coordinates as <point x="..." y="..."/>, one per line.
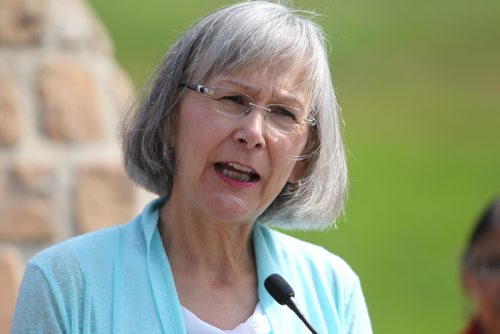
<point x="188" y="150"/>
<point x="487" y="297"/>
<point x="294" y="144"/>
<point x="295" y="150"/>
<point x="195" y="124"/>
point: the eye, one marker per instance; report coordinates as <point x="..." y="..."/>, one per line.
<point x="283" y="112"/>
<point x="492" y="264"/>
<point x="238" y="99"/>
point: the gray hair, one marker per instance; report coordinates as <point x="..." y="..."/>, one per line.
<point x="248" y="36"/>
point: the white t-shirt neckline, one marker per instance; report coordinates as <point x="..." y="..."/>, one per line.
<point x="256" y="324"/>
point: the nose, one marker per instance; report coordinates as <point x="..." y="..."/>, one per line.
<point x="251" y="127"/>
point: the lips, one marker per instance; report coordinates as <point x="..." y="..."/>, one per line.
<point x="237" y="172"/>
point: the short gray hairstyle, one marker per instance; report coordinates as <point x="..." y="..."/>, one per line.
<point x="248" y="36"/>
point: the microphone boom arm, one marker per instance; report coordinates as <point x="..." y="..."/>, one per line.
<point x="283" y="293"/>
<point x="291" y="304"/>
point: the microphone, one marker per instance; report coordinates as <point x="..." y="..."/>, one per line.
<point x="283" y="293"/>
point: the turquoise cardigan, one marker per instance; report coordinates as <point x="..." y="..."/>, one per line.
<point x="118" y="280"/>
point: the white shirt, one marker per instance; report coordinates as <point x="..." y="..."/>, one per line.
<point x="256" y="324"/>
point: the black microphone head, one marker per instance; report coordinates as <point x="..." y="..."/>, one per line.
<point x="278" y="288"/>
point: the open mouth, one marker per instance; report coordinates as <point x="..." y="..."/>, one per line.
<point x="237" y="172"/>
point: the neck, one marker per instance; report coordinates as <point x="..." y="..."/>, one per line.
<point x="197" y="244"/>
<point x="212" y="261"/>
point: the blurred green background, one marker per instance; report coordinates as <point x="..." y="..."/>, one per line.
<point x="419" y="85"/>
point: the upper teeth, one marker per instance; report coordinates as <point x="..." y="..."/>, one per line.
<point x="236" y="176"/>
<point x="240" y="167"/>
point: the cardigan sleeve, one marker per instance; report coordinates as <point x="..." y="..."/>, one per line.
<point x="356" y="313"/>
<point x="52" y="296"/>
<point x="37" y="310"/>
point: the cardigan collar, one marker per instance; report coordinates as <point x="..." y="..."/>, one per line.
<point x="473" y="327"/>
<point x="163" y="282"/>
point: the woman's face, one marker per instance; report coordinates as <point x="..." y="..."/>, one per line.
<point x="483" y="282"/>
<point x="230" y="168"/>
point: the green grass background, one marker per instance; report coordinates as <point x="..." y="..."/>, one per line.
<point x="419" y="85"/>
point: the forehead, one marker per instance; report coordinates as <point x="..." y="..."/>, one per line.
<point x="266" y="83"/>
<point x="489" y="242"/>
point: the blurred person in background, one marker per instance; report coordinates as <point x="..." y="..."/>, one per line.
<point x="481" y="272"/>
<point x="240" y="130"/>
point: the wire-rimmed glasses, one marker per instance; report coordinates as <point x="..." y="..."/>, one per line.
<point x="485" y="268"/>
<point x="233" y="103"/>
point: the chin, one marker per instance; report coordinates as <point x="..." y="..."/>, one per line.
<point x="231" y="208"/>
<point x="235" y="216"/>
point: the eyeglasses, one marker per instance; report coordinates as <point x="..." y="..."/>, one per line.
<point x="488" y="269"/>
<point x="233" y="103"/>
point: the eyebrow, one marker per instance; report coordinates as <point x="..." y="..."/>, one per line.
<point x="286" y="98"/>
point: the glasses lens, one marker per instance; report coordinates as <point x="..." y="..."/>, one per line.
<point x="233" y="103"/>
<point x="230" y="102"/>
<point x="284" y="118"/>
<point x="488" y="269"/>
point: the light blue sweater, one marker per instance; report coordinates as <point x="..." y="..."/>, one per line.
<point x="119" y="280"/>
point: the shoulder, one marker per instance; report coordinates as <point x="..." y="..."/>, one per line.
<point x="304" y="253"/>
<point x="322" y="280"/>
<point x="84" y="251"/>
<point x="76" y="246"/>
<point x="95" y="251"/>
<point x="307" y="265"/>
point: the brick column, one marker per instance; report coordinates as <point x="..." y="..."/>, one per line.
<point x="61" y="98"/>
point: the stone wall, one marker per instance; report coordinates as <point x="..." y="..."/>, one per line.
<point x="61" y="98"/>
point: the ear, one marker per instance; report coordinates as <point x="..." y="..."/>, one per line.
<point x="298" y="171"/>
<point x="468" y="281"/>
<point x="168" y="137"/>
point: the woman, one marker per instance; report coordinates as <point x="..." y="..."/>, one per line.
<point x="240" y="129"/>
<point x="481" y="272"/>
